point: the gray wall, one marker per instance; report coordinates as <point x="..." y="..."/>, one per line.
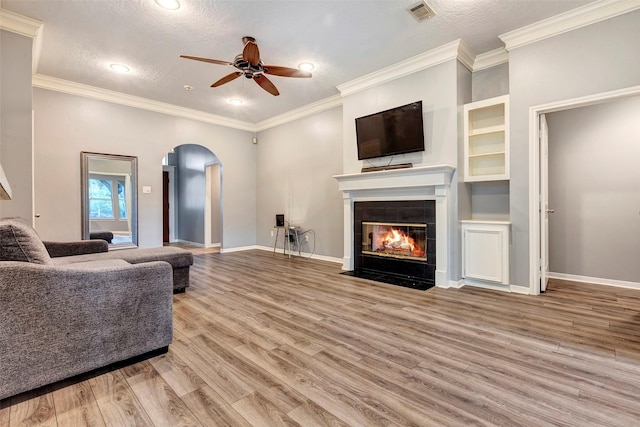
<point x="296" y="162"/>
<point x="15" y="127"/>
<point x="442" y="100"/>
<point x="590" y="60"/>
<point x="190" y="177"/>
<point x="437" y="88"/>
<point x="594" y="188"/>
<point x="65" y="125"/>
<point x="490" y="200"/>
<point x="462" y="201"/>
<point x="490" y="82"/>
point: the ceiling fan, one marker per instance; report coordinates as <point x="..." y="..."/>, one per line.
<point x="250" y="65"/>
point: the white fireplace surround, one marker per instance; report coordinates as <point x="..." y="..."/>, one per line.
<point x="419" y="183"/>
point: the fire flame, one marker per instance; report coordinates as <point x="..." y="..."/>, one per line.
<point x="397" y="241"/>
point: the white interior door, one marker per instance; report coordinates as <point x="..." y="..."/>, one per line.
<point x="544" y="203"/>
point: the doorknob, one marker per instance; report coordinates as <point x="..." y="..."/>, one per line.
<point x="550" y="211"/>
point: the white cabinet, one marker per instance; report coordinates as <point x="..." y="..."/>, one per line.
<point x="486" y="140"/>
<point x="485" y="251"/>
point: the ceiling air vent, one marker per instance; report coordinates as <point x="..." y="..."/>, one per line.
<point x="422" y="11"/>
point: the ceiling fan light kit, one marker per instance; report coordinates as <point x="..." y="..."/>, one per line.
<point x="119" y="68"/>
<point x="169" y="4"/>
<point x="306" y="66"/>
<point x="250" y="65"/>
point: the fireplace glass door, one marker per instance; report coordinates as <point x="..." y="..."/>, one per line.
<point x="403" y="241"/>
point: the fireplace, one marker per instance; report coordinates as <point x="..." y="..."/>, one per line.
<point x="429" y="186"/>
<point x="401" y="241"/>
<point x="395" y="242"/>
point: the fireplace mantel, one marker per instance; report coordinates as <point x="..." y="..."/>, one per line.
<point x="424" y="176"/>
<point x="419" y="183"/>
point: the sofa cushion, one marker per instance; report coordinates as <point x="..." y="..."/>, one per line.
<point x="177" y="257"/>
<point x="105" y="264"/>
<point x="20" y="242"/>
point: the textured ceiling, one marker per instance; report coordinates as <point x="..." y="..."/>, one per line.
<point x="345" y="39"/>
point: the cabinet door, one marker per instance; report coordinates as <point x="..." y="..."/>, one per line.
<point x="486" y="253"/>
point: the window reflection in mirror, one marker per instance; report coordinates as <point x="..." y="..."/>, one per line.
<point x="109" y="199"/>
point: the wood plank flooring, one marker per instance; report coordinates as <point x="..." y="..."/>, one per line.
<point x="264" y="340"/>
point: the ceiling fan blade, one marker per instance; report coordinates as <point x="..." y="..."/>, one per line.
<point x="227" y="79"/>
<point x="209" y="60"/>
<point x="266" y="84"/>
<point x="275" y="70"/>
<point x="251" y="53"/>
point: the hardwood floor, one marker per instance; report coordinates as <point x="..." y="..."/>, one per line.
<point x="196" y="250"/>
<point x="263" y="340"/>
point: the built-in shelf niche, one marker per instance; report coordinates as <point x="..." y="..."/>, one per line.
<point x="486" y="137"/>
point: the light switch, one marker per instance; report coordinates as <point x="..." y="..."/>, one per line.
<point x="146" y="189"/>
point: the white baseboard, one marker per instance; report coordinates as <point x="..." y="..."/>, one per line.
<point x="524" y="290"/>
<point x="496" y="286"/>
<point x="451" y="284"/>
<point x="595" y="280"/>
<point x="238" y="249"/>
<point x="486" y="285"/>
<point x="214" y="245"/>
<point x="279" y="251"/>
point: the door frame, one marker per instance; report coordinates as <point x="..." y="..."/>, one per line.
<point x="544" y="201"/>
<point x="212" y="172"/>
<point x="535" y="229"/>
<point x="173" y="212"/>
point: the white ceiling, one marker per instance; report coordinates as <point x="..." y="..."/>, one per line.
<point x="345" y="39"/>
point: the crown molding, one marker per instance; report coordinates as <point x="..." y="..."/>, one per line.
<point x="491" y="59"/>
<point x="19" y="24"/>
<point x="73" y="88"/>
<point x="24" y="26"/>
<point x="419" y="62"/>
<point x="466" y="55"/>
<point x="298" y="113"/>
<point x="568" y="21"/>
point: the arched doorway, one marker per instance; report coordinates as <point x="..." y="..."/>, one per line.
<point x="192" y="196"/>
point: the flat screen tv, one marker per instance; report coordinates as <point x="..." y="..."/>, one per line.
<point x="395" y="131"/>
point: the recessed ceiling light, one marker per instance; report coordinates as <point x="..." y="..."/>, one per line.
<point x="169" y="4"/>
<point x="306" y="66"/>
<point x="119" y="68"/>
<point x="235" y="101"/>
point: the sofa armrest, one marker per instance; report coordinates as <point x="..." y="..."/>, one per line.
<point x="81" y="247"/>
<point x="59" y="321"/>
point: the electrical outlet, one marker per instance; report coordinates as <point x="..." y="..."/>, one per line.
<point x="271" y="233"/>
<point x="306" y="238"/>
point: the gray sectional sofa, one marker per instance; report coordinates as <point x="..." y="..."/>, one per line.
<point x="65" y="316"/>
<point x="66" y="253"/>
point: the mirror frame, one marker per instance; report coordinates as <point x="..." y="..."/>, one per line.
<point x="85" y="156"/>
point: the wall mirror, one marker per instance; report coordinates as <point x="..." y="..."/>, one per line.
<point x="110" y="199"/>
